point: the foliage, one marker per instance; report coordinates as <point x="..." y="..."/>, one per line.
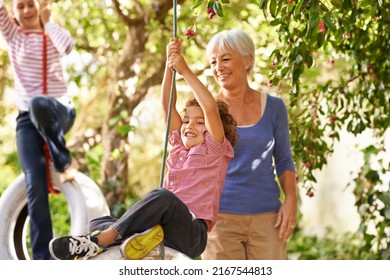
<point x="332" y="246"/>
<point x="373" y="202"/>
<point x="351" y="38"/>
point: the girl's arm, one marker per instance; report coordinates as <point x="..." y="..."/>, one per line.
<point x="175" y="120"/>
<point x="205" y="99"/>
<point x="8" y="27"/>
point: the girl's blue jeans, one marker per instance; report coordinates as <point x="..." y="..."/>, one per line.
<point x="182" y="231"/>
<point x="47" y="121"/>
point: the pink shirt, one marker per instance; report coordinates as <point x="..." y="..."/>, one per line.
<point x="26" y="55"/>
<point x="196" y="175"/>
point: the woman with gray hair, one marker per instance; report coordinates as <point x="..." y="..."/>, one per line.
<point x="252" y="222"/>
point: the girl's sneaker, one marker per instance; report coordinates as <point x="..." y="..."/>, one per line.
<point x="75" y="247"/>
<point x="139" y="245"/>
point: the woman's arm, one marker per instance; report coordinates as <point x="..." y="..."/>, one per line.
<point x="287" y="216"/>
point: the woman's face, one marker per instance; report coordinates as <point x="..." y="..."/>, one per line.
<point x="26" y="12"/>
<point x="229" y="67"/>
<point x="192" y="127"/>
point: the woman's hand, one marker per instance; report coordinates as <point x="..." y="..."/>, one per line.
<point x="287" y="218"/>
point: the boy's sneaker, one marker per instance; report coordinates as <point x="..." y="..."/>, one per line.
<point x="75" y="247"/>
<point x="139" y="245"/>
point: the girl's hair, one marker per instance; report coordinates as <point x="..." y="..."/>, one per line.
<point x="229" y="123"/>
<point x="236" y="40"/>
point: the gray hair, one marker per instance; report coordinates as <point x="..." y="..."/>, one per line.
<point x="236" y="40"/>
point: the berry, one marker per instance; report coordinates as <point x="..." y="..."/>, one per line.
<point x="321" y="26"/>
<point x="190" y="33"/>
<point x="211" y="13"/>
<point x="310" y="194"/>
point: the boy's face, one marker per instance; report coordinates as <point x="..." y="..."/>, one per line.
<point x="192" y="127"/>
<point x="26" y="12"/>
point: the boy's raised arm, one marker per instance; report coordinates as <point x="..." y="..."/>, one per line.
<point x="205" y="99"/>
<point x="166" y="92"/>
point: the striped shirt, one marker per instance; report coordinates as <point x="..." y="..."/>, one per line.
<point x="26" y="55"/>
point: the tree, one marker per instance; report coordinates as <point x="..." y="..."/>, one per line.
<point x="354" y="37"/>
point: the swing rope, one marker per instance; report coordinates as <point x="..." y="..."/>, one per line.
<point x="170" y="100"/>
<point x="162" y="248"/>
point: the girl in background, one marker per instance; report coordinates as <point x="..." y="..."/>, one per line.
<point x="36" y="46"/>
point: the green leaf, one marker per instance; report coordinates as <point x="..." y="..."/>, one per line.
<point x="218" y="8"/>
<point x="347" y="4"/>
<point x="210" y="4"/>
<point x="284" y="71"/>
<point x="328" y="22"/>
<point x="301" y="5"/>
<point x="295" y="91"/>
<point x="298" y="59"/>
<point x="320" y="40"/>
<point x="197" y="4"/>
<point x="272" y="8"/>
<point x="296" y="74"/>
<point x="263" y="4"/>
<point x="308" y="60"/>
<point x="337" y="3"/>
<point x="275" y="22"/>
<point x="124" y="129"/>
<point x="314" y="19"/>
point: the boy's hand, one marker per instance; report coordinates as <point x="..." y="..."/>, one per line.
<point x="174" y="46"/>
<point x="177" y="62"/>
<point x="44" y="11"/>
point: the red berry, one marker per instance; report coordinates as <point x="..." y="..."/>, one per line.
<point x="310" y="194"/>
<point x="190" y="33"/>
<point x="321" y="27"/>
<point x="332" y="118"/>
<point x="211" y="12"/>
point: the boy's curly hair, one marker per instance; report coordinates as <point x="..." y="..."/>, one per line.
<point x="229" y="123"/>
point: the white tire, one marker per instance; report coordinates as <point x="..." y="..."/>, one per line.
<point x="85" y="202"/>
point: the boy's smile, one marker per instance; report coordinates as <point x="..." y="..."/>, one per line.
<point x="192" y="127"/>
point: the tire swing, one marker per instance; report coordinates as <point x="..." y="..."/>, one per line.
<point x="85" y="202"/>
<point x="160" y="252"/>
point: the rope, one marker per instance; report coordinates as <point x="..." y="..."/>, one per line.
<point x="170" y="100"/>
<point x="162" y="248"/>
<point x="46" y="151"/>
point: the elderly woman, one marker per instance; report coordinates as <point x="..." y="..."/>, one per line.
<point x="252" y="222"/>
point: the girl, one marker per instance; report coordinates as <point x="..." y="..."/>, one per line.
<point x="36" y="46"/>
<point x="182" y="212"/>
